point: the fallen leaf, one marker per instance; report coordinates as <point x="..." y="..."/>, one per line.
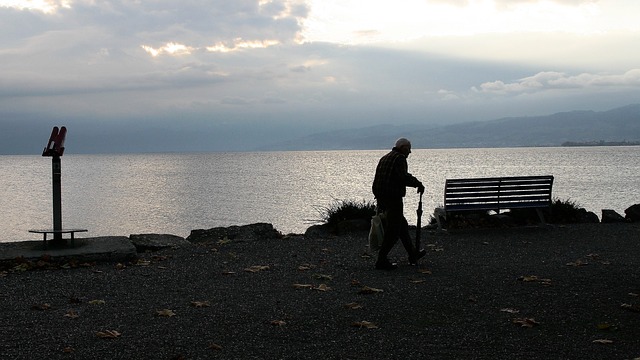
<point x="214" y="346"/>
<point x="603" y="341"/>
<point x="607" y="326"/>
<point x="22" y="267"/>
<point x="142" y="262"/>
<point x="200" y="304"/>
<point x="529" y="278"/>
<point x="120" y="266"/>
<point x="353" y="306"/>
<point x="417" y="281"/>
<point x="303" y="286"/>
<point x="534" y="278"/>
<point x="278" y="323"/>
<point x="257" y="268"/>
<point x="322" y="287"/>
<point x="578" y="262"/>
<point x="108" y="334"/>
<point x="631" y="307"/>
<point x="425" y="271"/>
<point x="68" y="350"/>
<point x="41" y="307"/>
<point x="364" y="324"/>
<point x="224" y="241"/>
<point x="165" y="313"/>
<point x="72" y="314"/>
<point x="97" y="302"/>
<point x="510" y="310"/>
<point x="526" y="322"/>
<point x="369" y="290"/>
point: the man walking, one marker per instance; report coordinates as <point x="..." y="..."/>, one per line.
<point x="389" y="188"/>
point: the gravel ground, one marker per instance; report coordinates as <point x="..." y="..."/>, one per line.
<point x="562" y="292"/>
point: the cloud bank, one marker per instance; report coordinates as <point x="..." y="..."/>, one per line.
<point x="221" y="74"/>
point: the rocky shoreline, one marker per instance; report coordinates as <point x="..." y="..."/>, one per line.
<point x="568" y="291"/>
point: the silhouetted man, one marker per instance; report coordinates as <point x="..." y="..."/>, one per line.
<point x="389" y="188"/>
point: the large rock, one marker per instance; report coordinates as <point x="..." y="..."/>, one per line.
<point x="589" y="217"/>
<point x="144" y="242"/>
<point x="633" y="213"/>
<point x="245" y="232"/>
<point x="342" y="228"/>
<point x="353" y="225"/>
<point x="318" y="231"/>
<point x="610" y="216"/>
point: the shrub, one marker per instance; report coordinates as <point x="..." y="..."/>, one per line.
<point x="560" y="212"/>
<point x="566" y="212"/>
<point x="341" y="210"/>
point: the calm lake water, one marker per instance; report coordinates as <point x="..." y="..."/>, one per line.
<point x="119" y="195"/>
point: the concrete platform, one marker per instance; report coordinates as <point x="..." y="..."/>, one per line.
<point x="106" y="248"/>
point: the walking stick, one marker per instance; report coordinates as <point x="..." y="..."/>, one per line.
<point x="419" y="223"/>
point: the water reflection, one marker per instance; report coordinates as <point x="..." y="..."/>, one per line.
<point x="175" y="193"/>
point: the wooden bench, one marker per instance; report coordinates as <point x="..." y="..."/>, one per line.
<point x="497" y="193"/>
<point x="44" y="232"/>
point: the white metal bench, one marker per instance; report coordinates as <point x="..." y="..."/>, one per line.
<point x="496" y="193"/>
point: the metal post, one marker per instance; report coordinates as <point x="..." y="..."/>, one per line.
<point x="57" y="197"/>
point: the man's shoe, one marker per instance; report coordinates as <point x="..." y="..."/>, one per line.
<point x="386" y="265"/>
<point x="413" y="260"/>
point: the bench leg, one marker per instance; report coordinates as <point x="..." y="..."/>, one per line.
<point x="439" y="212"/>
<point x="541" y="216"/>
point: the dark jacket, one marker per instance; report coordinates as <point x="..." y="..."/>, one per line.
<point x="392" y="178"/>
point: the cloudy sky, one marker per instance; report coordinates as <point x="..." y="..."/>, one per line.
<point x="216" y="75"/>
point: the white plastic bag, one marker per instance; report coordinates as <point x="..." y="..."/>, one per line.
<point x="376" y="233"/>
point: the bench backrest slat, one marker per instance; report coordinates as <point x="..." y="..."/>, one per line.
<point x="494" y="192"/>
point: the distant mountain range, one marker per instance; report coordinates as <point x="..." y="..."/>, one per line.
<point x="620" y="125"/>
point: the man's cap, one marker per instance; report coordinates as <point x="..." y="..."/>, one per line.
<point x="402" y="142"/>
